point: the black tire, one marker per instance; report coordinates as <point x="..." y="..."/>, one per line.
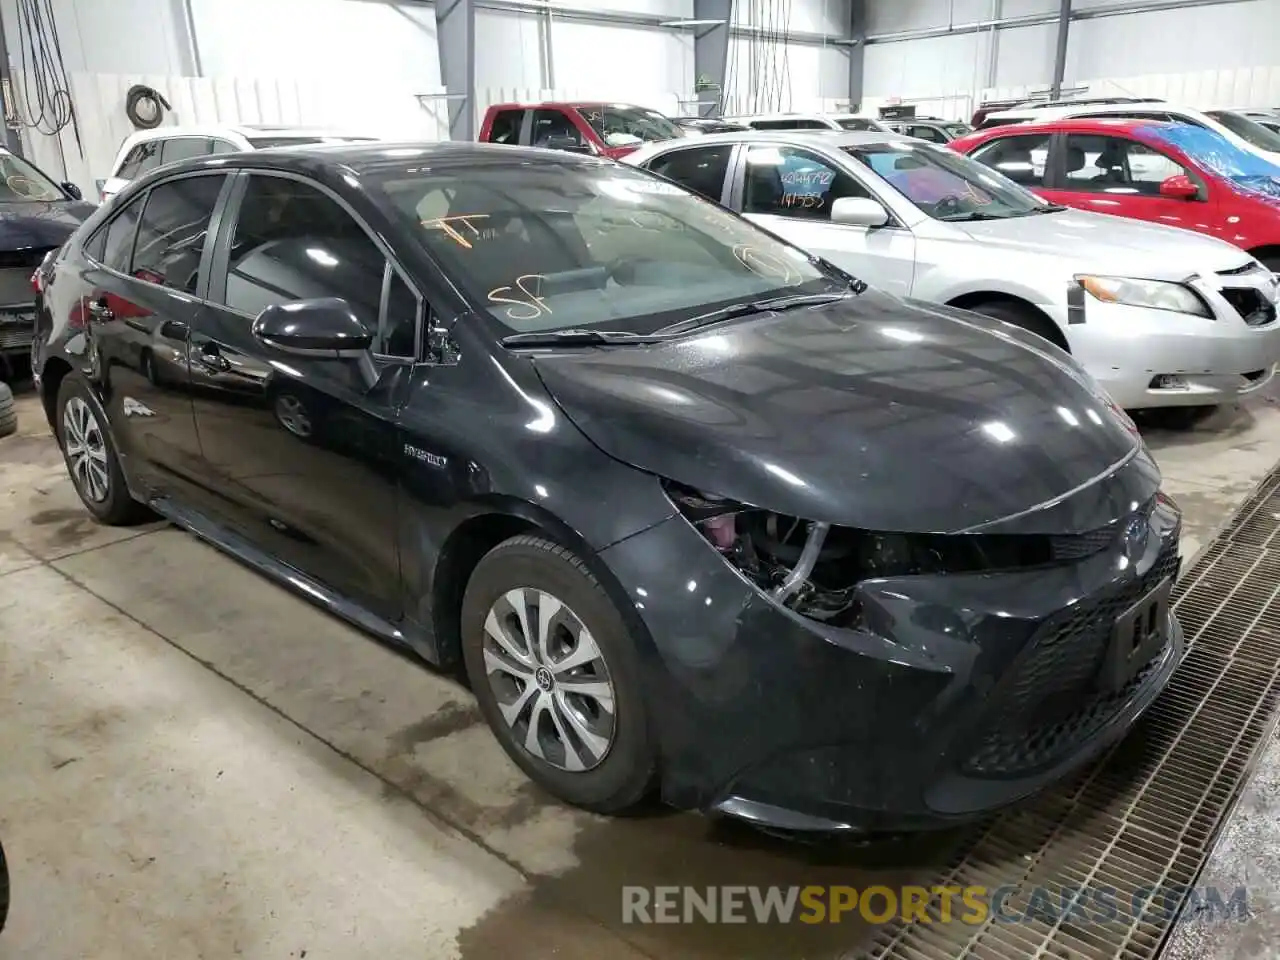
<point x="4" y="889"/>
<point x="625" y="776"/>
<point x="8" y="411"/>
<point x="1022" y="316"/>
<point x="117" y="508"/>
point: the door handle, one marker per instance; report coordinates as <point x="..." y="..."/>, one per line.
<point x="211" y="359"/>
<point x="99" y="310"/>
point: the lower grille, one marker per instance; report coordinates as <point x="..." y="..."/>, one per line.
<point x="16" y="335"/>
<point x="1147" y="815"/>
<point x="1052" y="702"/>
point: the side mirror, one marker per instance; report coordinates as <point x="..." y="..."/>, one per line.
<point x="569" y="144"/>
<point x="1179" y="187"/>
<point x="859" y="212"/>
<point x="72" y="190"/>
<point x="324" y="329"/>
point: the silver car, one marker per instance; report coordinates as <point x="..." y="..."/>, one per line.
<point x="1158" y="315"/>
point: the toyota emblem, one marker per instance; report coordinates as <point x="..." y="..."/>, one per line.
<point x="1135" y="537"/>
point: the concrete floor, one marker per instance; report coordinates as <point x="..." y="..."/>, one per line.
<point x="198" y="764"/>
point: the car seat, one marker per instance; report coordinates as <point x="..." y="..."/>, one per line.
<point x="1111" y="164"/>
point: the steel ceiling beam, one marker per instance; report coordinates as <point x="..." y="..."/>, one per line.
<point x="1060" y="51"/>
<point x="456" y="40"/>
<point x="1041" y="19"/>
<point x="711" y="54"/>
<point x="857" y="52"/>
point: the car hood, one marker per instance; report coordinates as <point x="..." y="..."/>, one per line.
<point x="1116" y="245"/>
<point x="33" y="223"/>
<point x="874" y="412"/>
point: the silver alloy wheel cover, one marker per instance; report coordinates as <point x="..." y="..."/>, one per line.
<point x="549" y="679"/>
<point x="85" y="446"/>
<point x="293" y="415"/>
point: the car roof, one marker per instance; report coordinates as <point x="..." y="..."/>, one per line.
<point x="1097" y="125"/>
<point x="566" y="104"/>
<point x="361" y="158"/>
<point x="1046" y="113"/>
<point x="814" y="138"/>
<point x="246" y="130"/>
<point x="790" y="115"/>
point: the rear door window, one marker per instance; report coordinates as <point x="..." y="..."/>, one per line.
<point x="506" y="126"/>
<point x="174" y="230"/>
<point x="1021" y="158"/>
<point x="700" y="169"/>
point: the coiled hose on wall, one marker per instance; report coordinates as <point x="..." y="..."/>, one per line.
<point x="145" y="106"/>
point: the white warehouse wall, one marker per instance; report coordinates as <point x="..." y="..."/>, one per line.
<point x="763" y="77"/>
<point x="1221" y="37"/>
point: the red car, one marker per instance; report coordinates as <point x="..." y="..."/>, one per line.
<point x="1170" y="173"/>
<point x="604" y="129"/>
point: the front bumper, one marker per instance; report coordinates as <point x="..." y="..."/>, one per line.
<point x="1156" y="358"/>
<point x="970" y="692"/>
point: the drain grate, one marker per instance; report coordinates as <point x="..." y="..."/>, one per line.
<point x="1147" y="814"/>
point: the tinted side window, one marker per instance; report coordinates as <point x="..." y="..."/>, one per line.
<point x="118" y="249"/>
<point x="506" y="126"/>
<point x="143" y="157"/>
<point x="183" y="148"/>
<point x="701" y="170"/>
<point x="1022" y="158"/>
<point x="174" y="230"/>
<point x="292" y="242"/>
<point x="795" y="183"/>
<point x="549" y="124"/>
<point x="223" y="146"/>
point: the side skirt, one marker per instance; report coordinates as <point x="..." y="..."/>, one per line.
<point x="405" y="636"/>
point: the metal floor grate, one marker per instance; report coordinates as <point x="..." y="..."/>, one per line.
<point x="1148" y="813"/>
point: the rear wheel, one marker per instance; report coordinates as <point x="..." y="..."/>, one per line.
<point x="8" y="412"/>
<point x="1026" y="317"/>
<point x="555" y="672"/>
<point x="91" y="456"/>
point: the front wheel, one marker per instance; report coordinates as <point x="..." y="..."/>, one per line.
<point x="556" y="674"/>
<point x="1026" y="317"/>
<point x="91" y="456"/>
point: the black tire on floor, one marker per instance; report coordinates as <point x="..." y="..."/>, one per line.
<point x="118" y="508"/>
<point x="8" y="412"/>
<point x="4" y="889"/>
<point x="627" y="774"/>
<point x="1026" y="317"/>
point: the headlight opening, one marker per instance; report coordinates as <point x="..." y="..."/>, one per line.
<point x="816" y="568"/>
<point x="1153" y="294"/>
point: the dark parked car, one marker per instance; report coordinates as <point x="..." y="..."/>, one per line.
<point x="694" y="509"/>
<point x="36" y="216"/>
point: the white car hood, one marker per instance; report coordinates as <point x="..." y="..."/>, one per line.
<point x="1114" y="245"/>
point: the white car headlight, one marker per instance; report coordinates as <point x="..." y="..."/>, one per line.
<point x="1156" y="294"/>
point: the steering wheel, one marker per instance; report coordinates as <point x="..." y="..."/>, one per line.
<point x="946" y="206"/>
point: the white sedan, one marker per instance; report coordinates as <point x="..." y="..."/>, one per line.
<point x="1159" y="316"/>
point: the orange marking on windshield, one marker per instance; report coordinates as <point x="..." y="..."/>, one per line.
<point x="447" y="224"/>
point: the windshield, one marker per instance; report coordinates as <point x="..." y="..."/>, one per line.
<point x="548" y="247"/>
<point x="1247" y="130"/>
<point x="19" y="181"/>
<point x="265" y="143"/>
<point x="1214" y="152"/>
<point x="944" y="184"/>
<point x="621" y="126"/>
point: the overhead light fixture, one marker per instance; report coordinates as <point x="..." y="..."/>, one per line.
<point x="692" y="23"/>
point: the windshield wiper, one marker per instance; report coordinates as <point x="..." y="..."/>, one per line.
<point x="1047" y="208"/>
<point x="971" y="217"/>
<point x="751" y="308"/>
<point x="578" y="336"/>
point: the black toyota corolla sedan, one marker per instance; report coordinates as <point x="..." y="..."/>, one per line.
<point x="695" y="511"/>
